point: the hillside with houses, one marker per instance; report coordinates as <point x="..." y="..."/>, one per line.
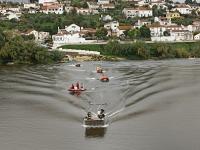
<point x="57" y="23"/>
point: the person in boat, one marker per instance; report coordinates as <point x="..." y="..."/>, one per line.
<point x="101" y="114"/>
<point x="82" y="87"/>
<point x="72" y="86"/>
<point x="77" y="85"/>
<point x="99" y="69"/>
<point x="89" y="116"/>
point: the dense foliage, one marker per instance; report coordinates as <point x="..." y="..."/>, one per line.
<point x="182" y="21"/>
<point x="50" y="22"/>
<point x="15" y="49"/>
<point x="141" y="50"/>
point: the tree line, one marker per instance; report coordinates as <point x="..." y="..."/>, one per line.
<point x="142" y="50"/>
<point x="15" y="48"/>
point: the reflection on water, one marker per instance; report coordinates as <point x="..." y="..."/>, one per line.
<point x="151" y="105"/>
<point x="95" y="132"/>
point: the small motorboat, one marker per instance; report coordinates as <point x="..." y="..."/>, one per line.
<point x="78" y="65"/>
<point x="99" y="70"/>
<point x="104" y="78"/>
<point x="95" y="120"/>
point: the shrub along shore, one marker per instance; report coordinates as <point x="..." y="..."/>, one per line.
<point x="141" y="50"/>
<point x="18" y="50"/>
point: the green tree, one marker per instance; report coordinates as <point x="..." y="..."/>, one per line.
<point x="142" y="50"/>
<point x="166" y="33"/>
<point x="134" y="33"/>
<point x="145" y="32"/>
<point x="182" y="21"/>
<point x="2" y="38"/>
<point x="101" y="33"/>
<point x="188" y="1"/>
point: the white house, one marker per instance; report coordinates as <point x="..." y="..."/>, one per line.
<point x="107" y="6"/>
<point x="142" y="22"/>
<point x="121" y="29"/>
<point x="92" y="5"/>
<point x="107" y="18"/>
<point x="67" y="38"/>
<point x="103" y="1"/>
<point x="30" y="5"/>
<point x="83" y="11"/>
<point x="197" y="37"/>
<point x="175" y="35"/>
<point x="32" y="32"/>
<point x="69" y="35"/>
<point x="183" y="9"/>
<point x="14" y="9"/>
<point x="43" y="35"/>
<point x="111" y="25"/>
<point x="68" y="9"/>
<point x="39" y="36"/>
<point x="13" y="16"/>
<point x="163" y="21"/>
<point x="157" y="30"/>
<point x="73" y="28"/>
<point x="140" y="12"/>
<point x="52" y="8"/>
<point x="182" y="35"/>
<point x="46" y="1"/>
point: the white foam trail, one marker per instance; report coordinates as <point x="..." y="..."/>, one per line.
<point x="91" y="78"/>
<point x="115" y="113"/>
<point x="76" y="70"/>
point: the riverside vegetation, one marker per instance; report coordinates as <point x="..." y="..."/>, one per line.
<point x="141" y="50"/>
<point x="21" y="50"/>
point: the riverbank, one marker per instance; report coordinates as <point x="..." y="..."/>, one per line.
<point x="142" y="50"/>
<point x="97" y="58"/>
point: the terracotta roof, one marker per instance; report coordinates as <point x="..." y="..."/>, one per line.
<point x="182" y="6"/>
<point x="180" y="31"/>
<point x="138" y="8"/>
<point x="88" y="30"/>
<point x="125" y="27"/>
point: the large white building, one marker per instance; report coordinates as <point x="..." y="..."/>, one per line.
<point x="111" y="25"/>
<point x="52" y="8"/>
<point x="137" y="12"/>
<point x="103" y="1"/>
<point x="70" y="35"/>
<point x="182" y="9"/>
<point x="46" y="1"/>
<point x="176" y="33"/>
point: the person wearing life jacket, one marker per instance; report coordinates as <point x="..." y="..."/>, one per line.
<point x="82" y="86"/>
<point x="101" y="114"/>
<point x="77" y="85"/>
<point x="72" y="87"/>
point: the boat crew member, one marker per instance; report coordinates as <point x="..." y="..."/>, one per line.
<point x="89" y="115"/>
<point x="101" y="114"/>
<point x="77" y="85"/>
<point x="72" y="87"/>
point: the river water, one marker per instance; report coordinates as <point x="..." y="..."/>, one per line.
<point x="152" y="105"/>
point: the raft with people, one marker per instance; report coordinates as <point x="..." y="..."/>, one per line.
<point x="104" y="78"/>
<point x="99" y="70"/>
<point x="77" y="88"/>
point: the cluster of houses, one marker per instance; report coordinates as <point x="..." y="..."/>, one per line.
<point x="161" y="28"/>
